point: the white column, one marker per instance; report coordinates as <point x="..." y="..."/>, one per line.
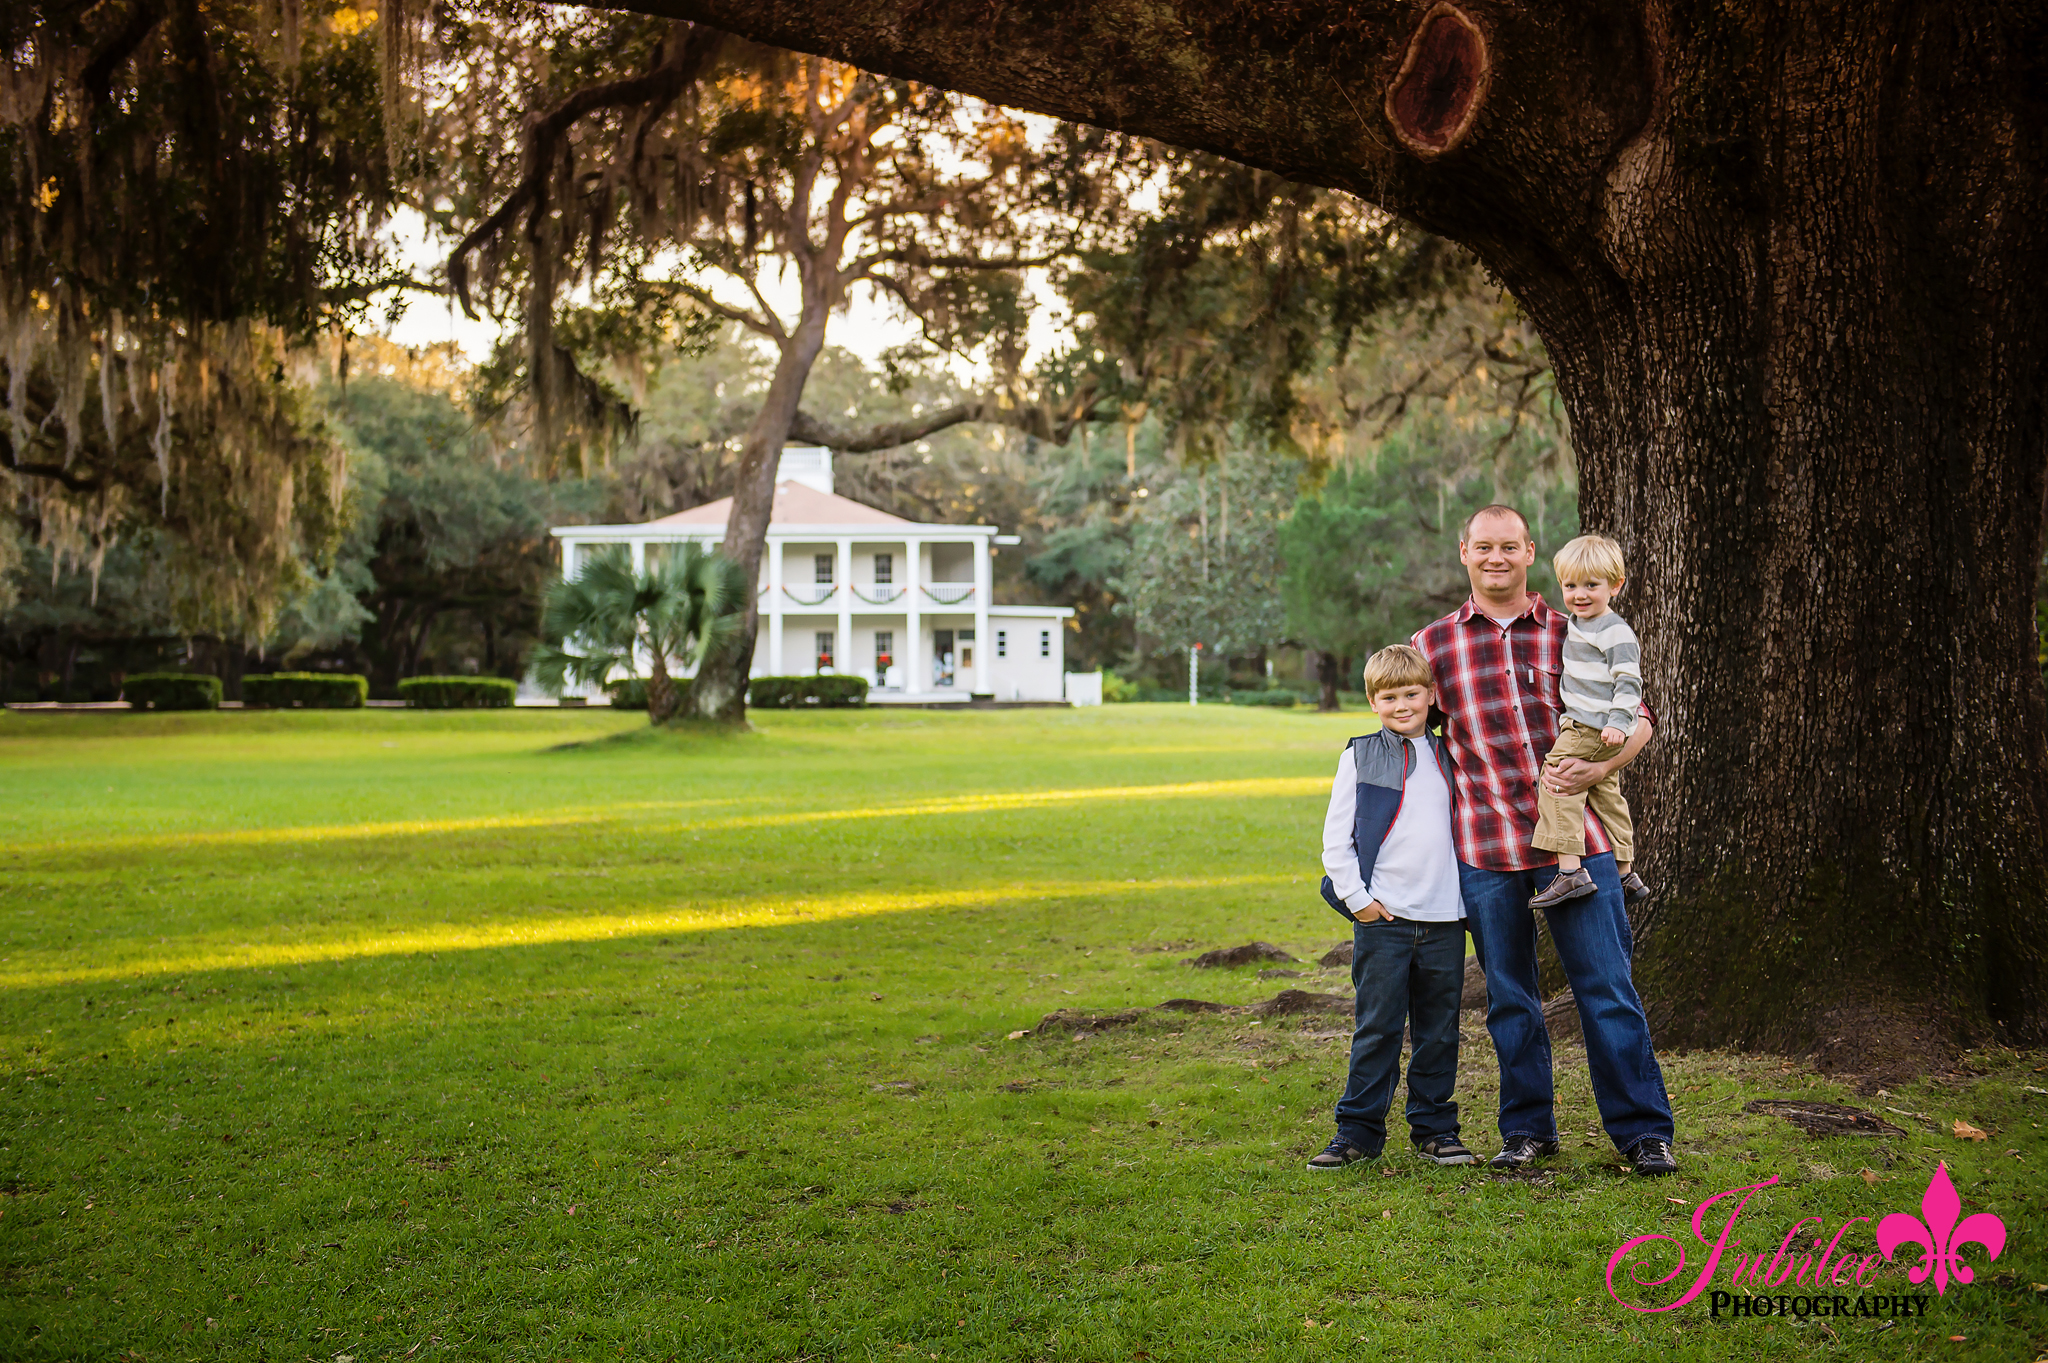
<point x="639" y="557"/>
<point x="774" y="608"/>
<point x="984" y="576"/>
<point x="914" y="670"/>
<point x="842" y="591"/>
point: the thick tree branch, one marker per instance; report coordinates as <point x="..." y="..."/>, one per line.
<point x="1036" y="420"/>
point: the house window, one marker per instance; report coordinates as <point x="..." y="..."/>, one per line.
<point x="885" y="654"/>
<point x="1002" y="643"/>
<point x="825" y="638"/>
<point x="1045" y="643"/>
<point x="823" y="564"/>
<point x="885" y="569"/>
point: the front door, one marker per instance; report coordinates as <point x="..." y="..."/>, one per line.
<point x="942" y="657"/>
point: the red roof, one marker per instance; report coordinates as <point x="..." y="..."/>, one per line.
<point x="795" y="504"/>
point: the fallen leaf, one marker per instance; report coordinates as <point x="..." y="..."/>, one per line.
<point x="876" y="997"/>
<point x="1679" y="1200"/>
<point x="1019" y="1036"/>
<point x="1966" y="1132"/>
<point x="1869" y="1176"/>
<point x="1386" y="1216"/>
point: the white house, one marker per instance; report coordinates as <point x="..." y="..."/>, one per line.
<point x="848" y="588"/>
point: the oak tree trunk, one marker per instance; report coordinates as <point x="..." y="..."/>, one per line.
<point x="1788" y="261"/>
<point x="719" y="690"/>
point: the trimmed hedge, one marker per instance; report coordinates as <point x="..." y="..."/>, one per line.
<point x="312" y="690"/>
<point x="172" y="691"/>
<point x="1279" y="699"/>
<point x="790" y="693"/>
<point x="629" y="694"/>
<point x="457" y="693"/>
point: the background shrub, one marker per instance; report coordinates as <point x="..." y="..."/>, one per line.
<point x="457" y="693"/>
<point x="1117" y="690"/>
<point x="837" y="691"/>
<point x="313" y="690"/>
<point x="172" y="691"/>
<point x="631" y="693"/>
<point x="1280" y="699"/>
<point x="788" y="693"/>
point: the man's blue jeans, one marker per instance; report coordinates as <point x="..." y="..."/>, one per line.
<point x="1410" y="973"/>
<point x="1593" y="941"/>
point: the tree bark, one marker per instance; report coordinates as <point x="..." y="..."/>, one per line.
<point x="719" y="690"/>
<point x="1787" y="260"/>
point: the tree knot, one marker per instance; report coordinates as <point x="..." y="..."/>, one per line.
<point x="1436" y="96"/>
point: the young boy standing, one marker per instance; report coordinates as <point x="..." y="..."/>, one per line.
<point x="1394" y="874"/>
<point x="1601" y="687"/>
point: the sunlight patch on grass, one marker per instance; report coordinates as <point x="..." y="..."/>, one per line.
<point x="1263" y="787"/>
<point x="780" y="911"/>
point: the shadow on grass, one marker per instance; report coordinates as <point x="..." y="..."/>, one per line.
<point x="678" y="735"/>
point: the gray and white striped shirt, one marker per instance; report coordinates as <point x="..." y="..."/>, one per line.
<point x="1603" y="673"/>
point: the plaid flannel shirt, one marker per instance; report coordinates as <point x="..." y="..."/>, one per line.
<point x="1498" y="691"/>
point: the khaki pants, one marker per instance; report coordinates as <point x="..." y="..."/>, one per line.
<point x="1561" y="819"/>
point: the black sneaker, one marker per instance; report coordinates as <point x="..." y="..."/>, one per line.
<point x="1337" y="1154"/>
<point x="1446" y="1150"/>
<point x="1654" y="1157"/>
<point x="1563" y="886"/>
<point x="1520" y="1152"/>
<point x="1634" y="890"/>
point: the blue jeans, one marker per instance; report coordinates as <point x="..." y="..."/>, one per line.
<point x="1593" y="941"/>
<point x="1409" y="973"/>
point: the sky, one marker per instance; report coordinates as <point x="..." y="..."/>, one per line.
<point x="867" y="328"/>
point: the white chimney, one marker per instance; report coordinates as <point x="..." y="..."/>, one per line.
<point x="810" y="465"/>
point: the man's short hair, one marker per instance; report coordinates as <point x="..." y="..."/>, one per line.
<point x="1590" y="556"/>
<point x="1497" y="509"/>
<point x="1395" y="666"/>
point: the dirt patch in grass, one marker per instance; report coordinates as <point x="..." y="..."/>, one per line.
<point x="1251" y="953"/>
<point x="1825" y="1119"/>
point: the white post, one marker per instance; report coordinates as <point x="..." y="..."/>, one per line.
<point x="984" y="575"/>
<point x="1194" y="677"/>
<point x="913" y="619"/>
<point x="842" y="591"/>
<point x="775" y="662"/>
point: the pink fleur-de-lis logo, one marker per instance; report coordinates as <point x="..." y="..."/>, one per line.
<point x="1939" y="1237"/>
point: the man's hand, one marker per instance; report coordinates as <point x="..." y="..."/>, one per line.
<point x="1573" y="776"/>
<point x="1374" y="913"/>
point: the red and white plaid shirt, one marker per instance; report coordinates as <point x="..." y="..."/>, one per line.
<point x="1498" y="690"/>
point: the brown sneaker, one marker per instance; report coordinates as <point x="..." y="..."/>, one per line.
<point x="1565" y="885"/>
<point x="1634" y="890"/>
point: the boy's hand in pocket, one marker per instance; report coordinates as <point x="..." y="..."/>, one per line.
<point x="1375" y="912"/>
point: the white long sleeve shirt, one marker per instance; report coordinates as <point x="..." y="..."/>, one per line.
<point x="1416" y="874"/>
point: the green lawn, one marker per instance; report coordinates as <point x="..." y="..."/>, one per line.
<point x="534" y="1035"/>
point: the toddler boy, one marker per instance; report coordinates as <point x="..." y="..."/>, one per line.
<point x="1601" y="687"/>
<point x="1393" y="873"/>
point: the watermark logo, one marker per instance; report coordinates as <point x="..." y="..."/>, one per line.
<point x="1938" y="1236"/>
<point x="1805" y="1258"/>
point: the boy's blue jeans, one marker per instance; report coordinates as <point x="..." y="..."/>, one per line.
<point x="1593" y="941"/>
<point x="1412" y="973"/>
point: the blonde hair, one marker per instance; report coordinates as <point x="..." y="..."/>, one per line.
<point x="1590" y="556"/>
<point x="1395" y="666"/>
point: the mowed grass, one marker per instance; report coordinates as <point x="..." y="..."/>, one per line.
<point x="394" y="1035"/>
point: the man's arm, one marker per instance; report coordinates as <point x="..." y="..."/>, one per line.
<point x="1571" y="776"/>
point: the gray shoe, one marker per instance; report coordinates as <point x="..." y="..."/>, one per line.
<point x="1446" y="1150"/>
<point x="1563" y="886"/>
<point x="1634" y="890"/>
<point x="1339" y="1153"/>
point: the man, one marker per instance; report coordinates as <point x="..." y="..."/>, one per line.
<point x="1497" y="660"/>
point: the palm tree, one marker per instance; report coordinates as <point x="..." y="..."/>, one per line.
<point x="610" y="616"/>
